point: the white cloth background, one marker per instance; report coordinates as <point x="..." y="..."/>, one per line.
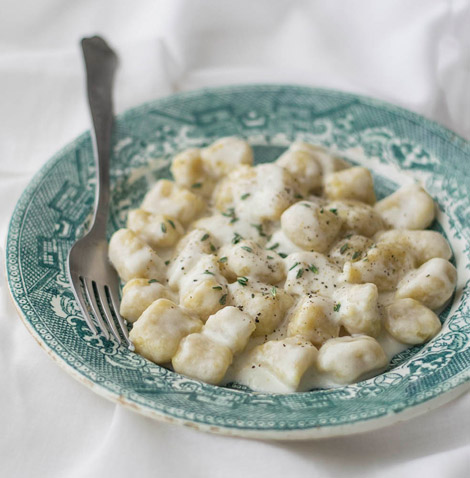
<point x="412" y="53"/>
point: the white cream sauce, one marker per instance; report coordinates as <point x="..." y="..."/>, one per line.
<point x="247" y="372"/>
<point x="243" y="369"/>
<point x="255" y="201"/>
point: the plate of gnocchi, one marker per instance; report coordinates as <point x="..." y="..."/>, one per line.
<point x="295" y="262"/>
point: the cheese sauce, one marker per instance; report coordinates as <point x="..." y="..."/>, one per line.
<point x="254" y="242"/>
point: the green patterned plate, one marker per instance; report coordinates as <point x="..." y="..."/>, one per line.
<point x="397" y="145"/>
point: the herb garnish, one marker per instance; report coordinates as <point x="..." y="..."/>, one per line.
<point x="313" y="268"/>
<point x="236" y="238"/>
<point x="231" y="214"/>
<point x="242" y="281"/>
<point x="259" y="228"/>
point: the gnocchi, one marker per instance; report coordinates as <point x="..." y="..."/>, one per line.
<point x="246" y="258"/>
<point x="158" y="331"/>
<point x="286" y="359"/>
<point x="138" y="294"/>
<point x="281" y="276"/>
<point x="303" y="165"/>
<point x="133" y="258"/>
<point x="346" y="359"/>
<point x="352" y="183"/>
<point x="256" y="194"/>
<point x="207" y="355"/>
<point x="176" y="201"/>
<point x="200" y="357"/>
<point x="410" y="322"/>
<point x="358" y="310"/>
<point x="411" y="207"/>
<point x="266" y="304"/>
<point x="432" y="284"/>
<point x="314" y="318"/>
<point x="310" y="226"/>
<point x="190" y="172"/>
<point x="157" y="230"/>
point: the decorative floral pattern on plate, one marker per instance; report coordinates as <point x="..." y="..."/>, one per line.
<point x="397" y="145"/>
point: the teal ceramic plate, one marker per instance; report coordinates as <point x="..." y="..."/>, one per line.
<point x="397" y="145"/>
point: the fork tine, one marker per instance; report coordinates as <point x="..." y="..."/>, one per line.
<point x="122" y="324"/>
<point x="81" y="302"/>
<point x="108" y="316"/>
<point x="94" y="306"/>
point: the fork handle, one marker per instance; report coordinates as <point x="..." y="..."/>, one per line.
<point x="101" y="63"/>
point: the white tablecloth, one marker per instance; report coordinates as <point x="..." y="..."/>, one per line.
<point x="412" y="53"/>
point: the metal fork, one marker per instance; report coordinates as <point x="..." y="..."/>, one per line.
<point x="95" y="282"/>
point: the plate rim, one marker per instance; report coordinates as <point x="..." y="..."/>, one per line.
<point x="316" y="432"/>
<point x="313" y="433"/>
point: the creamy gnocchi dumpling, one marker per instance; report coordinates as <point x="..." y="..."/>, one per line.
<point x="283" y="276"/>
